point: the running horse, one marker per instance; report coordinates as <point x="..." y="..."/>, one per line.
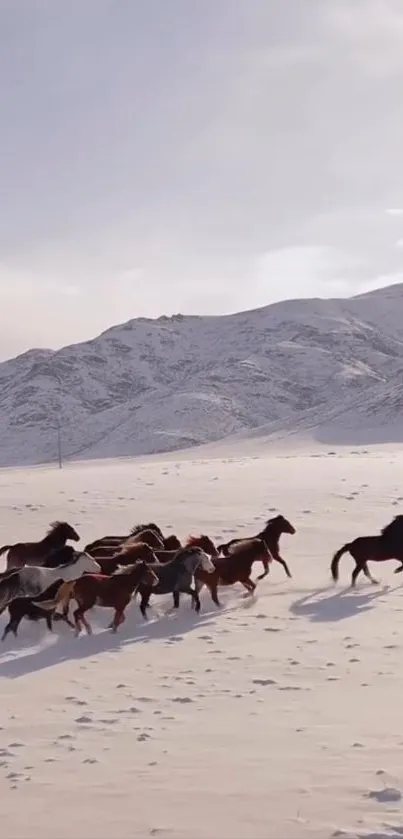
<point x="235" y="568"/>
<point x="270" y="534"/>
<point x="35" y="553"/>
<point x="388" y="544"/>
<point x="113" y="592"/>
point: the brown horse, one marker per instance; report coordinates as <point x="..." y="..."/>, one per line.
<point x="127" y="555"/>
<point x="235" y="568"/>
<point x="110" y="541"/>
<point x="148" y="537"/>
<point x="380" y="548"/>
<point x="204" y="542"/>
<point x="35" y="553"/>
<point x="113" y="592"/>
<point x="270" y="534"/>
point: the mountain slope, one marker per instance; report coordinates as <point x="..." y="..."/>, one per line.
<point x="334" y="366"/>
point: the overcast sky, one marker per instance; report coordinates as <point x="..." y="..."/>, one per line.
<point x="201" y="156"/>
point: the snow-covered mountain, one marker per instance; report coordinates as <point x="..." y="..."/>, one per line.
<point x="333" y="367"/>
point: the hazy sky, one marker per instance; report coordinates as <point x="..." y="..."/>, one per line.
<point x="200" y="156"/>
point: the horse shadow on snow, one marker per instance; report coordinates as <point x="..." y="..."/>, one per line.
<point x="66" y="647"/>
<point x="326" y="605"/>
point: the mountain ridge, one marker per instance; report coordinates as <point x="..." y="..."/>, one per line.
<point x="153" y="385"/>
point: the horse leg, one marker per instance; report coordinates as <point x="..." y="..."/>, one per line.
<point x="49" y="621"/>
<point x="195" y="597"/>
<point x="359" y="566"/>
<point x="65" y="611"/>
<point x="200" y="583"/>
<point x="120" y="616"/>
<point x="12" y="626"/>
<point x="266" y="566"/>
<point x="84" y="620"/>
<point x="118" y="619"/>
<point x="79" y="618"/>
<point x="213" y="589"/>
<point x="249" y="585"/>
<point x="144" y="603"/>
<point x="369" y="575"/>
<point x="66" y="618"/>
<point x="282" y="562"/>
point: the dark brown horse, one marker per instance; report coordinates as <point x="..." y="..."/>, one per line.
<point x="172" y="543"/>
<point x="380" y="548"/>
<point x="113" y="592"/>
<point x="235" y="568"/>
<point x="24" y="607"/>
<point x="35" y="553"/>
<point x="270" y="534"/>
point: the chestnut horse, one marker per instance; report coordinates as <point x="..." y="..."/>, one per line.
<point x="387" y="545"/>
<point x="34" y="553"/>
<point x="270" y="534"/>
<point x="110" y="564"/>
<point x="113" y="592"/>
<point x="235" y="568"/>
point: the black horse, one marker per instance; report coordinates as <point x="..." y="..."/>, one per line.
<point x="24" y="607"/>
<point x="386" y="545"/>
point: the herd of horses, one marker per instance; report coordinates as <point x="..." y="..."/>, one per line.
<point x="42" y="578"/>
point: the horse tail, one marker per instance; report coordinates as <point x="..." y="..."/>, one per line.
<point x="5" y="548"/>
<point x="10" y="588"/>
<point x="336" y="559"/>
<point x="63" y="594"/>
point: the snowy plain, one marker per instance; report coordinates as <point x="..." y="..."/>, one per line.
<point x="278" y="717"/>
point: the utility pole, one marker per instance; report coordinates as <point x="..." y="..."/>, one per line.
<point x="59" y="444"/>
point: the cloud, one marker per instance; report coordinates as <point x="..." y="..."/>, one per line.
<point x="193" y="157"/>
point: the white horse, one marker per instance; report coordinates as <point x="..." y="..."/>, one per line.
<point x="32" y="581"/>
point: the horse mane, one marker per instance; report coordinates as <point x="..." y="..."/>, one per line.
<point x="394" y="527"/>
<point x="150" y="526"/>
<point x="192" y="540"/>
<point x="188" y="550"/>
<point x="55" y="525"/>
